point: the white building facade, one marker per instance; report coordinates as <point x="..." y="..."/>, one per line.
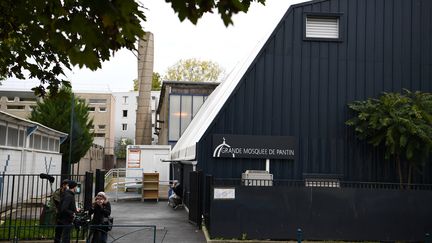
<point x="125" y="114"/>
<point x="27" y="147"/>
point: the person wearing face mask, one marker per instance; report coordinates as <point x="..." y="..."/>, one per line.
<point x="66" y="214"/>
<point x="101" y="210"/>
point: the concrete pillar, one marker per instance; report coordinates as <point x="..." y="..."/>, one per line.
<point x="143" y="131"/>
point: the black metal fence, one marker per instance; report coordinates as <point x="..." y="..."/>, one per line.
<point x="325" y="209"/>
<point x="319" y="183"/>
<point x="118" y="233"/>
<point x="24" y="204"/>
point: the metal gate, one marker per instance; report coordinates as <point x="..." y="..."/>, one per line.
<point x="25" y="202"/>
<point x="195" y="199"/>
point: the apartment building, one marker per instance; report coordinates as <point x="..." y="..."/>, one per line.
<point x="102" y="110"/>
<point x="21" y="102"/>
<point x="126" y="111"/>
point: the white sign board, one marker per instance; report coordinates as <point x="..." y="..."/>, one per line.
<point x="224" y="193"/>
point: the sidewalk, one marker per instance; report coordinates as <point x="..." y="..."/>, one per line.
<point x="172" y="226"/>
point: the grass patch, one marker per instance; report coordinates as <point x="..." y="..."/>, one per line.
<point x="31" y="230"/>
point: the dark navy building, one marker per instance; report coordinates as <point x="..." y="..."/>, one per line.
<point x="322" y="55"/>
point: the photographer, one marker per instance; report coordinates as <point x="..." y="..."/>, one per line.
<point x="66" y="214"/>
<point x="101" y="210"/>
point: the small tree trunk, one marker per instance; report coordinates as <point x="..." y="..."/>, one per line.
<point x="398" y="163"/>
<point x="409" y="174"/>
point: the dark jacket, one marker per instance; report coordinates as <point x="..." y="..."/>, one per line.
<point x="178" y="190"/>
<point x="67" y="208"/>
<point x="100" y="212"/>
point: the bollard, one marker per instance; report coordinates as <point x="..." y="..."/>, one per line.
<point x="299" y="235"/>
<point x="428" y="238"/>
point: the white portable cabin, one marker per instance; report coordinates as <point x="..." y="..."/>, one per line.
<point x="147" y="159"/>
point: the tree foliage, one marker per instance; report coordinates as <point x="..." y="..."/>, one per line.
<point x="402" y="123"/>
<point x="156" y="82"/>
<point x="193" y="10"/>
<point x="120" y="148"/>
<point x="40" y="39"/>
<point x="194" y="70"/>
<point x="55" y="112"/>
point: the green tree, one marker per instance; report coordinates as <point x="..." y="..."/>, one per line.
<point x="120" y="148"/>
<point x="135" y="85"/>
<point x="39" y="39"/>
<point x="193" y="10"/>
<point x="156" y="82"/>
<point x="401" y="123"/>
<point x="194" y="70"/>
<point x="55" y="112"/>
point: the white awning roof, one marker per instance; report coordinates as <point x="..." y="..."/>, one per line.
<point x="21" y="121"/>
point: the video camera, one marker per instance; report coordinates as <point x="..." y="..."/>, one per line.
<point x="82" y="219"/>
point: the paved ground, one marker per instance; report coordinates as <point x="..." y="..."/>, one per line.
<point x="171" y="225"/>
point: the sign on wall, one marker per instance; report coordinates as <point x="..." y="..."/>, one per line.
<point x="133" y="160"/>
<point x="255" y="147"/>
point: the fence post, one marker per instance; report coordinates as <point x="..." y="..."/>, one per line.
<point x="427" y="238"/>
<point x="100" y="181"/>
<point x="11" y="206"/>
<point x="299" y="235"/>
<point x="88" y="193"/>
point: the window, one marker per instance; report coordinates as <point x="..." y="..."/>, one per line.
<point x="125" y="100"/>
<point x="37" y="141"/>
<point x="92" y="109"/>
<point x="12" y="137"/>
<point x="27" y="99"/>
<point x="101" y="127"/>
<point x="102" y="109"/>
<point x="319" y="182"/>
<point x="56" y="145"/>
<point x="97" y="101"/>
<point x="91" y="126"/>
<point x="45" y="143"/>
<point x="153" y="97"/>
<point x="15" y="107"/>
<point x="51" y="144"/>
<point x="21" y="138"/>
<point x="125" y="113"/>
<point x="99" y="135"/>
<point x="124" y="127"/>
<point x="182" y="109"/>
<point x="10" y="99"/>
<point x="322" y="27"/>
<point x="2" y="135"/>
<point x="174" y="117"/>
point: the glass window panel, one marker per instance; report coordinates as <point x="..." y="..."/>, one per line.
<point x="186" y="112"/>
<point x="197" y="103"/>
<point x="2" y="135"/>
<point x="174" y="118"/>
<point x="31" y="142"/>
<point x="51" y="144"/>
<point x="45" y="143"/>
<point x="21" y="138"/>
<point x="12" y="137"/>
<point x="37" y="141"/>
<point x="56" y="145"/>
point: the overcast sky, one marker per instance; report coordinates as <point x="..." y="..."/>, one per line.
<point x="175" y="40"/>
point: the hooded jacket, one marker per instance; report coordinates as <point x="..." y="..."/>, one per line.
<point x="67" y="208"/>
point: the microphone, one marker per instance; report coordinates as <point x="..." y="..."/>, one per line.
<point x="48" y="177"/>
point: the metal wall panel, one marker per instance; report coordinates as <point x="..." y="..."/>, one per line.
<point x="301" y="88"/>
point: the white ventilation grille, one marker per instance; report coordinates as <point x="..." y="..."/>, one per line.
<point x="322" y="27"/>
